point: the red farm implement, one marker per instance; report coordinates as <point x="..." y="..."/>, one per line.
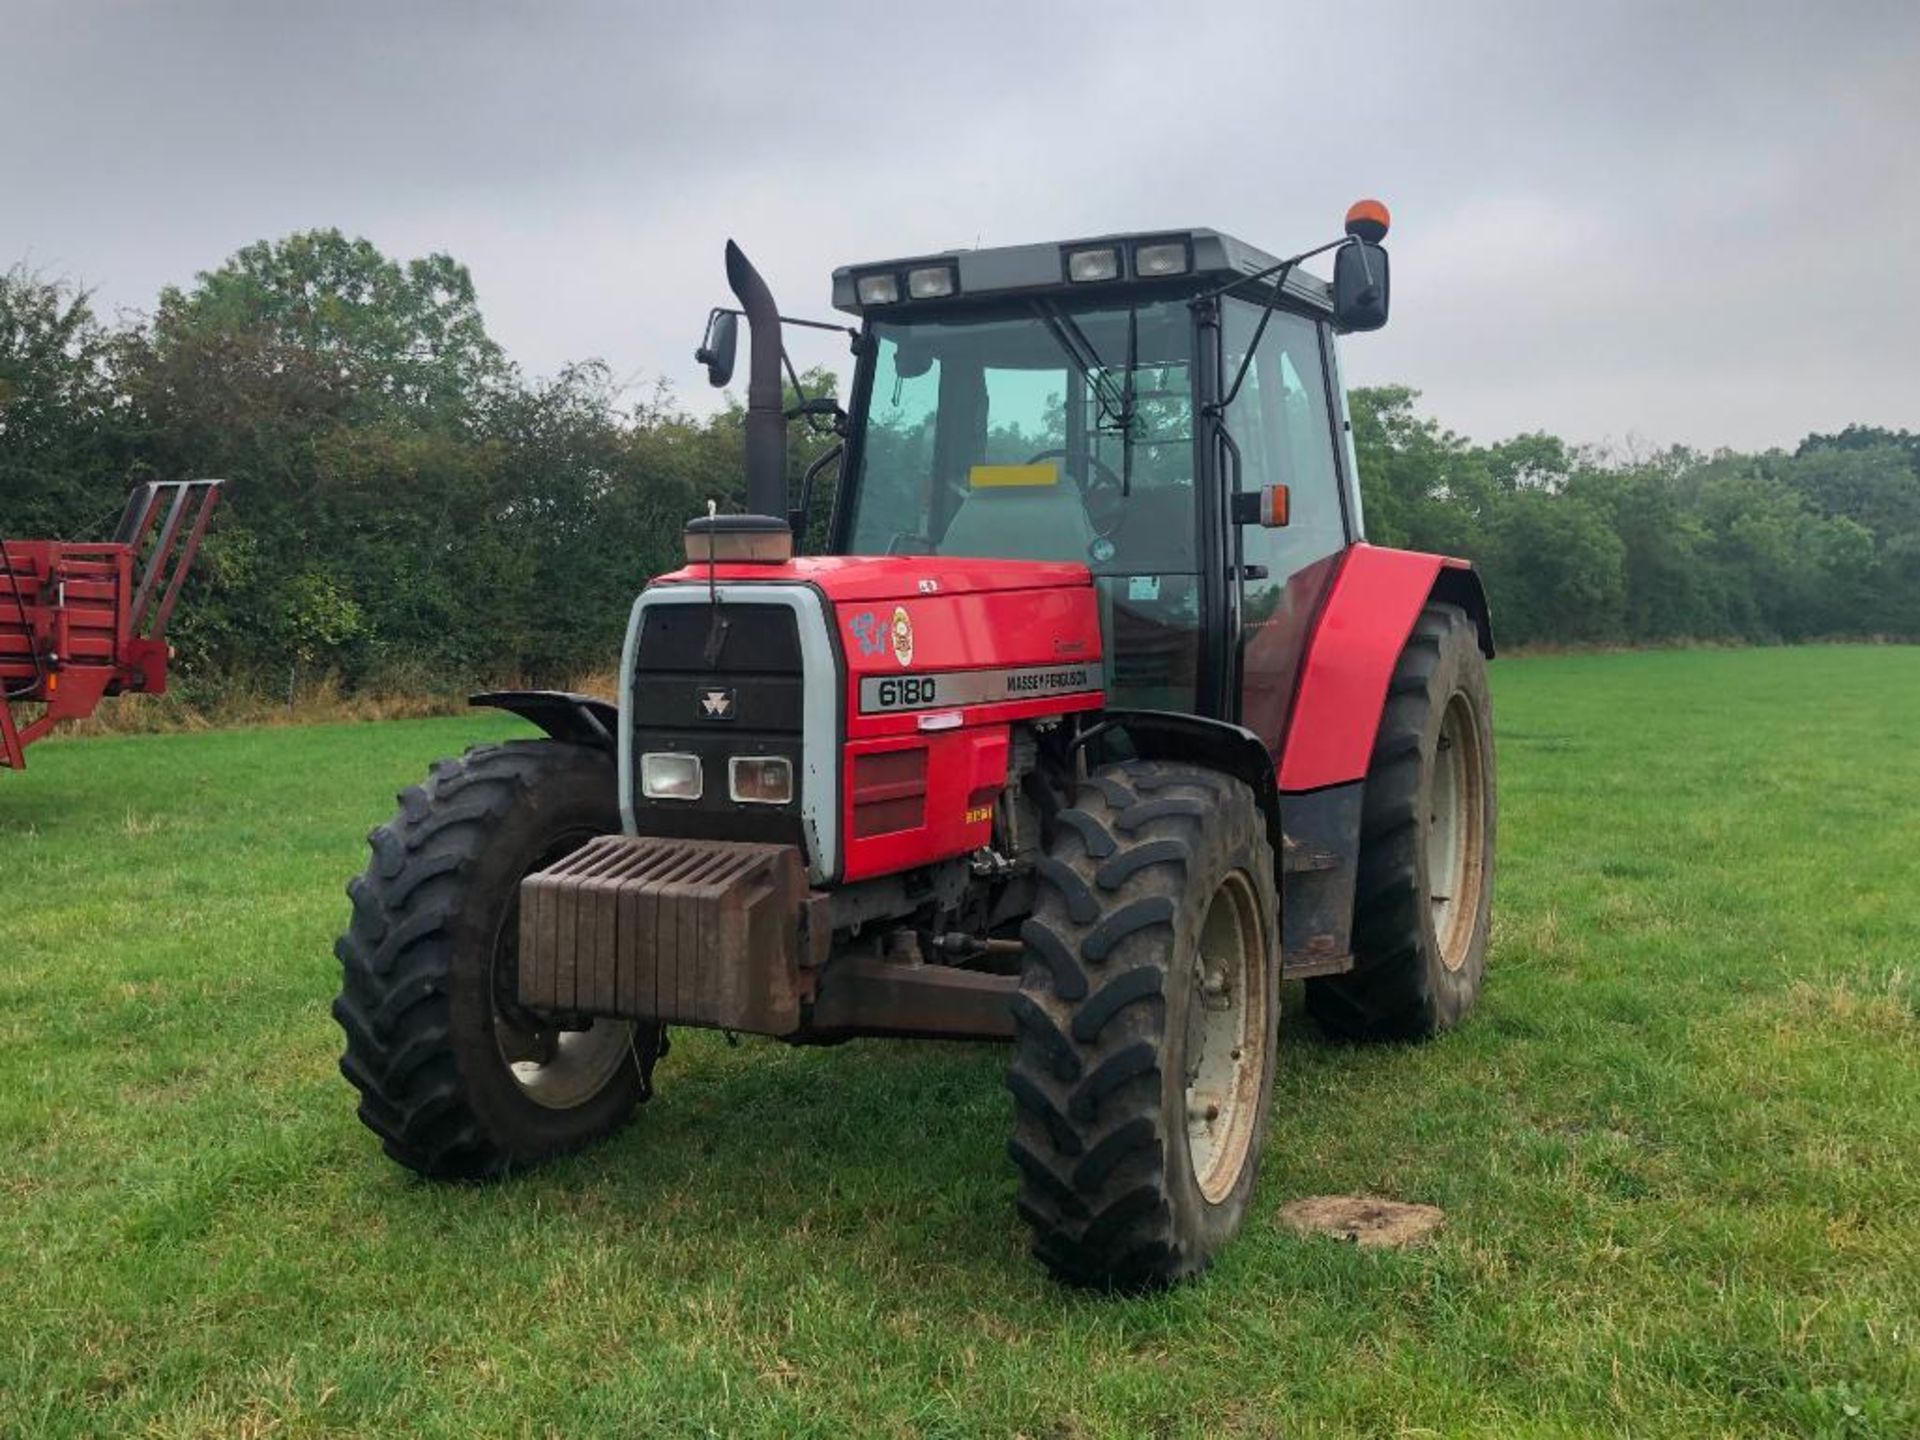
<point x="80" y="621"/>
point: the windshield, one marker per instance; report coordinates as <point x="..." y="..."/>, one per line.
<point x="1024" y="434"/>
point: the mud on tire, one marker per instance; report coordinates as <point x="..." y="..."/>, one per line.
<point x="1420" y="950"/>
<point x="427" y="995"/>
<point x="1114" y="1189"/>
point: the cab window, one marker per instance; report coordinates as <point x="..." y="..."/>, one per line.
<point x="1047" y="431"/>
<point x="1282" y="422"/>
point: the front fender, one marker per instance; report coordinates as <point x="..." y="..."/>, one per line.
<point x="1216" y="744"/>
<point x="576" y="719"/>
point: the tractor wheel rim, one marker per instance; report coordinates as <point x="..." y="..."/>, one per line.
<point x="1456" y="824"/>
<point x="1226" y="1039"/>
<point x="556" y="1068"/>
<point x="578" y="1067"/>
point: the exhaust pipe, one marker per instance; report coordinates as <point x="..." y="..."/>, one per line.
<point x="766" y="429"/>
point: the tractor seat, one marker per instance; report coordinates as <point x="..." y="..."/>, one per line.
<point x="1020" y="522"/>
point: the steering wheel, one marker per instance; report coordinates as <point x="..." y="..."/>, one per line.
<point x="1102" y="493"/>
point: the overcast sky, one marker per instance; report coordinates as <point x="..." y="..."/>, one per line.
<point x="1625" y="223"/>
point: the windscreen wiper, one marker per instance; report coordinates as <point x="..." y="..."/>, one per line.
<point x="1115" y="403"/>
<point x="1117" y="409"/>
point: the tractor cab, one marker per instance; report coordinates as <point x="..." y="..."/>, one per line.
<point x="1164" y="409"/>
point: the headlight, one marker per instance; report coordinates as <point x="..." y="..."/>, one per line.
<point x="666" y="776"/>
<point x="760" y="779"/>
<point x="877" y="289"/>
<point x="930" y="282"/>
<point x="1165" y="257"/>
<point x="1101" y="264"/>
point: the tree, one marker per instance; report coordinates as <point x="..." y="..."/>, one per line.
<point x="406" y="509"/>
<point x="350" y="331"/>
<point x="1557" y="573"/>
<point x="65" y="433"/>
<point x="346" y="398"/>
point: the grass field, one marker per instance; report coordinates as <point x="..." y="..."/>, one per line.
<point x="1678" y="1145"/>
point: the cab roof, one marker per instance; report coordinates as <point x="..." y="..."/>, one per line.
<point x="1012" y="270"/>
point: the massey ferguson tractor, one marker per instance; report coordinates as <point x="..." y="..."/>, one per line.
<point x="1096" y="720"/>
<point x="80" y="621"/>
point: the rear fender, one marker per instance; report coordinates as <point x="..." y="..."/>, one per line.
<point x="576" y="719"/>
<point x="1357" y="640"/>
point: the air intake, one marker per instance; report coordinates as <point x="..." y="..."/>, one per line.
<point x="738" y="540"/>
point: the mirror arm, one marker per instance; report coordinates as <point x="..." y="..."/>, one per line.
<point x="848" y="330"/>
<point x="812" y="405"/>
<point x="1229" y="450"/>
<point x="1276" y="276"/>
<point x="1366" y="265"/>
<point x="1219" y="407"/>
<point x="1279" y="270"/>
<point x="837" y="419"/>
<point x="797" y="519"/>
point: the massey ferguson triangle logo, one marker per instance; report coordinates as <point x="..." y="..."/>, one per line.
<point x="716" y="704"/>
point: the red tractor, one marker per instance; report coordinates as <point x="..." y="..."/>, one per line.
<point x="1097" y="720"/>
<point x="80" y="621"/>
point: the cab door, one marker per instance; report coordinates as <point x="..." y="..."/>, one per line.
<point x="1284" y="421"/>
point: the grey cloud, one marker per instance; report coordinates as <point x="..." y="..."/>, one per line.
<point x="1682" y="223"/>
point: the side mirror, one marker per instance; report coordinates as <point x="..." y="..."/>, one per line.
<point x="717" y="350"/>
<point x="1360" y="285"/>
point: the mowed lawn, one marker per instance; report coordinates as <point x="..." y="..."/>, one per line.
<point x="1678" y="1145"/>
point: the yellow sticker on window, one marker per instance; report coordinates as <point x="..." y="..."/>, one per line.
<point x="993" y="477"/>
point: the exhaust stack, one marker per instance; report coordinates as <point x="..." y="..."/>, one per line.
<point x="766" y="428"/>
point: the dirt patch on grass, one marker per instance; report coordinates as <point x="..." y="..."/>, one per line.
<point x="1365" y="1220"/>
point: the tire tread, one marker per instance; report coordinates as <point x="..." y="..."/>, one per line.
<point x="1090" y="1142"/>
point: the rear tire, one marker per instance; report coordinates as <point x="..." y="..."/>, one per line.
<point x="456" y="1080"/>
<point x="1424" y="894"/>
<point x="1148" y="998"/>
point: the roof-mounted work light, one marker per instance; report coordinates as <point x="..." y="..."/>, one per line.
<point x="1161" y="257"/>
<point x="1097" y="264"/>
<point x="930" y="282"/>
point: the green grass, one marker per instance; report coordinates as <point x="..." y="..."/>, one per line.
<point x="1678" y="1144"/>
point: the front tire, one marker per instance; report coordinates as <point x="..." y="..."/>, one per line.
<point x="1147" y="1021"/>
<point x="454" y="1077"/>
<point x="1424" y="894"/>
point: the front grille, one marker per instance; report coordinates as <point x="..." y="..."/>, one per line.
<point x="718" y="681"/>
